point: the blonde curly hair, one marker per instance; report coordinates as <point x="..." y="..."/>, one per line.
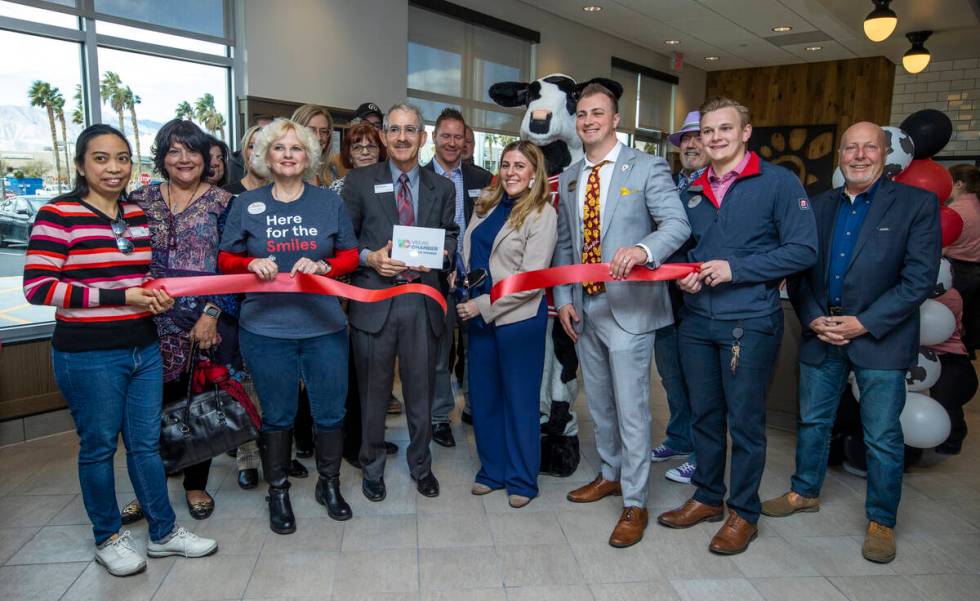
<point x="274" y="131"/>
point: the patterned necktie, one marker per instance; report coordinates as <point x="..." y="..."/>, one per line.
<point x="592" y="228"/>
<point x="403" y="200"/>
<point x="406" y="216"/>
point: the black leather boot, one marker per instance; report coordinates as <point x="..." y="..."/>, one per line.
<point x="329" y="449"/>
<point x="275" y="449"/>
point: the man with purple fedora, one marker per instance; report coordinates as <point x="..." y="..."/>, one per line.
<point x="678" y="442"/>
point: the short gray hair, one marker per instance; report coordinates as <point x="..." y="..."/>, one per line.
<point x="408" y="107"/>
<point x="279" y="127"/>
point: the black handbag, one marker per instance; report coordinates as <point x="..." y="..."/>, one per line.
<point x="201" y="426"/>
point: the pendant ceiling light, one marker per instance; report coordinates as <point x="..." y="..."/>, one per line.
<point x="881" y="22"/>
<point x="917" y="57"/>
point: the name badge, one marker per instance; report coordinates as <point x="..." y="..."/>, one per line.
<point x="474" y="193"/>
<point x="140" y="231"/>
<point x="693" y="201"/>
<point x="383" y="188"/>
<point x="256" y="208"/>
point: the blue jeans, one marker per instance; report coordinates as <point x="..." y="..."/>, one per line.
<point x="736" y="402"/>
<point x="278" y="364"/>
<point x="108" y="392"/>
<point x="667" y="355"/>
<point x="882" y="400"/>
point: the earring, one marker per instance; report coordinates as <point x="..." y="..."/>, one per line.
<point x="530" y="183"/>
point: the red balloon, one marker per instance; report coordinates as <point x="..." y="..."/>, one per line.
<point x="952" y="225"/>
<point x="928" y="175"/>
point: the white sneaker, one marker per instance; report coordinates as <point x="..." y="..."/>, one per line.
<point x="119" y="555"/>
<point x="682" y="473"/>
<point x="183" y="543"/>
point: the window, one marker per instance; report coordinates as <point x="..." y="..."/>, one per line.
<point x="454" y="63"/>
<point x="646" y="108"/>
<point x="142" y="59"/>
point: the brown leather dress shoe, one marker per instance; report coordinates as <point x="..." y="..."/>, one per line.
<point x="690" y="514"/>
<point x="629" y="529"/>
<point x="734" y="536"/>
<point x="789" y="504"/>
<point x="595" y="490"/>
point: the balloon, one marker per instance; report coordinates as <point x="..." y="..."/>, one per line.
<point x="944" y="281"/>
<point x="900" y="151"/>
<point x="925" y="373"/>
<point x="936" y="323"/>
<point x="925" y="424"/>
<point x="838" y="179"/>
<point x="854" y="387"/>
<point x="930" y="131"/>
<point x="928" y="175"/>
<point x="952" y="225"/>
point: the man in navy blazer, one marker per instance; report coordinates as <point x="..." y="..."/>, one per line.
<point x="878" y="261"/>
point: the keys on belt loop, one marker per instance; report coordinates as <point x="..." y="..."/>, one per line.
<point x="737" y="332"/>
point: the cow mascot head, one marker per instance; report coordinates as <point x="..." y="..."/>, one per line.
<point x="549" y="122"/>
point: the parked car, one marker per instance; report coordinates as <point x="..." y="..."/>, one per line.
<point x="17" y="218"/>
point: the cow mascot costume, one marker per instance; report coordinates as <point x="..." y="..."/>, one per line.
<point x="549" y="122"/>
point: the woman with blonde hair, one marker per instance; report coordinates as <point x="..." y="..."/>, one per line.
<point x="317" y="118"/>
<point x="513" y="229"/>
<point x="250" y="180"/>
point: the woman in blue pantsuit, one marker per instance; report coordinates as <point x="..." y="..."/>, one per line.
<point x="513" y="230"/>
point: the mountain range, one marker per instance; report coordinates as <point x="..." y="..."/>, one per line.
<point x="26" y="129"/>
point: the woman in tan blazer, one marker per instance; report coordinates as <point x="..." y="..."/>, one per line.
<point x="513" y="229"/>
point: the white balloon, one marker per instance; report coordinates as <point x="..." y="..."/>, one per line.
<point x="944" y="281"/>
<point x="923" y="376"/>
<point x="854" y="388"/>
<point x="925" y="424"/>
<point x="838" y="179"/>
<point x="900" y="151"/>
<point x="936" y="323"/>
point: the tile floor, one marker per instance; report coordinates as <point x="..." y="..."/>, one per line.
<point x="458" y="547"/>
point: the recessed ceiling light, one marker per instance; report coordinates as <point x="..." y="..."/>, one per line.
<point x="711" y="58"/>
<point x="782" y="28"/>
<point x="672" y="42"/>
<point x="813" y="48"/>
<point x="592" y="8"/>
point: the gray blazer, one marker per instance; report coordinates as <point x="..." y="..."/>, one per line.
<point x="374" y="216"/>
<point x="515" y="251"/>
<point x="642" y="207"/>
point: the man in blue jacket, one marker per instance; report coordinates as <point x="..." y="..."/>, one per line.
<point x="752" y="226"/>
<point x="878" y="261"/>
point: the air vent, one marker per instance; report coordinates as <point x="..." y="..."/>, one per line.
<point x="795" y="39"/>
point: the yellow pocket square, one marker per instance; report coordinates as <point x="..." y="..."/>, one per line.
<point x="625" y="191"/>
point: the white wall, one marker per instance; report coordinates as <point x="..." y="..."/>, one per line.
<point x="315" y="51"/>
<point x="952" y="87"/>
<point x="312" y="51"/>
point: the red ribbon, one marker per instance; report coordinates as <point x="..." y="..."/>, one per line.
<point x="309" y="284"/>
<point x="591" y="272"/>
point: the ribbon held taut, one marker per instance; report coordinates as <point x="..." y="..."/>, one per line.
<point x="310" y="284"/>
<point x="590" y="272"/>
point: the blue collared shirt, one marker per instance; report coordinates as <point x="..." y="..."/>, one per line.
<point x="847" y="228"/>
<point x="684" y="181"/>
<point x="456" y="176"/>
<point x="413" y="184"/>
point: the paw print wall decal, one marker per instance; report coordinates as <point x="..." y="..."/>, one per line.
<point x="806" y="150"/>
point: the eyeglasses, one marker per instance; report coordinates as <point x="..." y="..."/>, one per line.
<point x="410" y="130"/>
<point x="364" y="148"/>
<point x="125" y="245"/>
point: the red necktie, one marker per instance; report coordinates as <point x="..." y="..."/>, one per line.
<point x="592" y="228"/>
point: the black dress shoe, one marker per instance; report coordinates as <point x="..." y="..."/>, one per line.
<point x="950" y="448"/>
<point x="297" y="469"/>
<point x="466" y="418"/>
<point x="374" y="490"/>
<point x="201" y="510"/>
<point x="248" y="478"/>
<point x="442" y="434"/>
<point x="390" y="448"/>
<point x="132" y="512"/>
<point x="428" y="485"/>
<point x="232" y="452"/>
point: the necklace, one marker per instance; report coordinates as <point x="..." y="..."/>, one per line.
<point x="172" y="204"/>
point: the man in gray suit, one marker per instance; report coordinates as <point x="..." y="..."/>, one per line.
<point x="378" y="197"/>
<point x="621" y="206"/>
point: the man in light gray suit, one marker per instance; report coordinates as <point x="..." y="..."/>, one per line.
<point x="378" y="197"/>
<point x="620" y="206"/>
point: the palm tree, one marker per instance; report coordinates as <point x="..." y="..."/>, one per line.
<point x="59" y="110"/>
<point x="216" y="123"/>
<point x="184" y="110"/>
<point x="111" y="90"/>
<point x="78" y="113"/>
<point x="208" y="116"/>
<point x="40" y="95"/>
<point x="131" y="101"/>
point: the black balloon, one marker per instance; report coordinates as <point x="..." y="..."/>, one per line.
<point x="930" y="131"/>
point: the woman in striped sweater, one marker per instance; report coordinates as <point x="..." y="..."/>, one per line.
<point x="89" y="252"/>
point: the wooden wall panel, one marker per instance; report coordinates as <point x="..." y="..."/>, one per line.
<point x="841" y="92"/>
<point x="27" y="385"/>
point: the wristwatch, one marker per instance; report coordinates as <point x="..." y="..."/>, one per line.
<point x="212" y="311"/>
